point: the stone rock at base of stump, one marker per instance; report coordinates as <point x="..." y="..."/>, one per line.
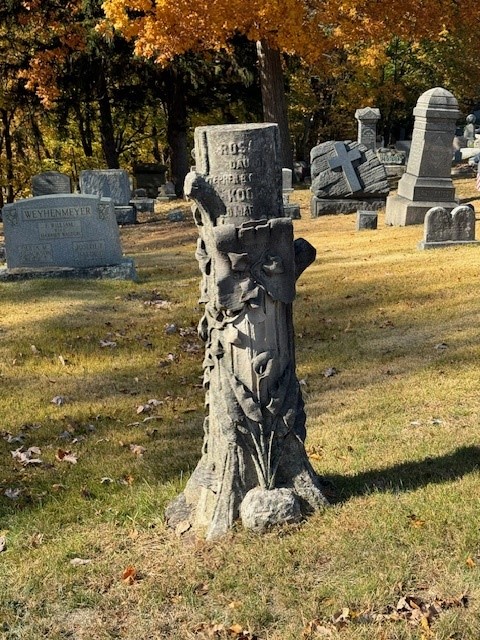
<point x="262" y="509"/>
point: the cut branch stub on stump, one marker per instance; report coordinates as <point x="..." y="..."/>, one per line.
<point x="255" y="428"/>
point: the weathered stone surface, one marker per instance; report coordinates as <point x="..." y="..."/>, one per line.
<point x="291" y="209"/>
<point x="61" y="231"/>
<point x="262" y="509"/>
<point x="367" y="126"/>
<point x="107" y="183"/>
<point x="123" y="271"/>
<point x="445" y="228"/>
<point x="327" y="206"/>
<point x="343" y="171"/>
<point x="166" y="192"/>
<point x="255" y="429"/>
<point x="50" y="182"/>
<point x="366" y="220"/>
<point x="143" y="205"/>
<point x="427" y="181"/>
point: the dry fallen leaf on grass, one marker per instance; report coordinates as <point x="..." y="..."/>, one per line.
<point x="65" y="456"/>
<point x="3" y="543"/>
<point x="108" y="343"/>
<point x="216" y="630"/>
<point x="78" y="562"/>
<point x="12" y="494"/>
<point x="130" y="575"/>
<point x="416" y="521"/>
<point x="26" y="457"/>
<point x="137" y="450"/>
<point x="58" y="400"/>
<point x="470" y="562"/>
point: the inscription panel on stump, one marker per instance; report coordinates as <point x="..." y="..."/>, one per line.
<point x="246" y="181"/>
<point x="61" y="231"/>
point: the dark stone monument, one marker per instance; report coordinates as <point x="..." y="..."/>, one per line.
<point x="443" y="228"/>
<point x="427" y="181"/>
<point x="346" y="176"/>
<point x="253" y="463"/>
<point x="50" y="182"/>
<point x="149" y="176"/>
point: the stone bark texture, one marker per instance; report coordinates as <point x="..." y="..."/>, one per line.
<point x="255" y="428"/>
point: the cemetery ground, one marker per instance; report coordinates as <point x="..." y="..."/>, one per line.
<point x="102" y="421"/>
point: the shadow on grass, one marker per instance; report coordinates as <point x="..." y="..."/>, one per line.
<point x="406" y="476"/>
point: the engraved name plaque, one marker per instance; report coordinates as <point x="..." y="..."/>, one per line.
<point x="67" y="230"/>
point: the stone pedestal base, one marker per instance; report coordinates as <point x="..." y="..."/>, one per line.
<point x="401" y="212"/>
<point x="326" y="206"/>
<point x="449" y="243"/>
<point x="123" y="271"/>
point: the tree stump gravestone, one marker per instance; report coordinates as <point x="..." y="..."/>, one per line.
<point x="253" y="463"/>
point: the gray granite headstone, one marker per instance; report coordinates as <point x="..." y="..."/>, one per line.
<point x="367" y="126"/>
<point x="107" y="183"/>
<point x="50" y="182"/>
<point x="445" y="228"/>
<point x="367" y="220"/>
<point x="61" y="231"/>
<point x="114" y="184"/>
<point x="291" y="209"/>
<point x="427" y="181"/>
<point x="166" y="192"/>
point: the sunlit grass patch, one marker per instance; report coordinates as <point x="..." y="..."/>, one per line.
<point x="387" y="354"/>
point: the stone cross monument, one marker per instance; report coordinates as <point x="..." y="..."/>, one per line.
<point x="253" y="463"/>
<point x="427" y="181"/>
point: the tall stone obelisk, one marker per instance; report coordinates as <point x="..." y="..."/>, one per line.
<point x="427" y="181"/>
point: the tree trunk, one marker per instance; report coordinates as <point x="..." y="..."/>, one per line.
<point x="177" y="126"/>
<point x="7" y="138"/>
<point x="107" y="135"/>
<point x="84" y="124"/>
<point x="273" y="96"/>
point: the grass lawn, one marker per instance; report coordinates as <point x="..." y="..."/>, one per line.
<point x="101" y="418"/>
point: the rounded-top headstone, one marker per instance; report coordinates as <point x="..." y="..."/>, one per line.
<point x="437" y="103"/>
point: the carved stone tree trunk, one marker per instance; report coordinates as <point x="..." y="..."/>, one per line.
<point x="253" y="461"/>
